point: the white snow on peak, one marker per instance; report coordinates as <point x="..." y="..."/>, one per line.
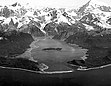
<point x="61" y="18"/>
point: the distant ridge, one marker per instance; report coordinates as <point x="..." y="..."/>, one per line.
<point x="21" y="15"/>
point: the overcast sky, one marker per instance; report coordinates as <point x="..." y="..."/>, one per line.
<point x="53" y="3"/>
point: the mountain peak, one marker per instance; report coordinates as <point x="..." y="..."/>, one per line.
<point x="81" y="10"/>
<point x="94" y="4"/>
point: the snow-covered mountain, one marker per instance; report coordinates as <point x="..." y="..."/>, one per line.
<point x="93" y="14"/>
<point x="99" y="12"/>
<point x="93" y="5"/>
<point x="26" y="15"/>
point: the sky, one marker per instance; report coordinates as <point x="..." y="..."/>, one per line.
<point x="52" y="3"/>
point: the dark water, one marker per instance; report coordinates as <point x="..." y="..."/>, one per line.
<point x="99" y="77"/>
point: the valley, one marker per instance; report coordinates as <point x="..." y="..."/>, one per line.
<point x="52" y="57"/>
<point x="60" y="45"/>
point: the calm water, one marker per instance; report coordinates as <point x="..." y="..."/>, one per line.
<point x="55" y="59"/>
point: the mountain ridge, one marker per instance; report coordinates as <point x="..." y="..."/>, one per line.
<point x="26" y="15"/>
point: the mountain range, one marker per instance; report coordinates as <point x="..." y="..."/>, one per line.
<point x="94" y="15"/>
<point x="88" y="26"/>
